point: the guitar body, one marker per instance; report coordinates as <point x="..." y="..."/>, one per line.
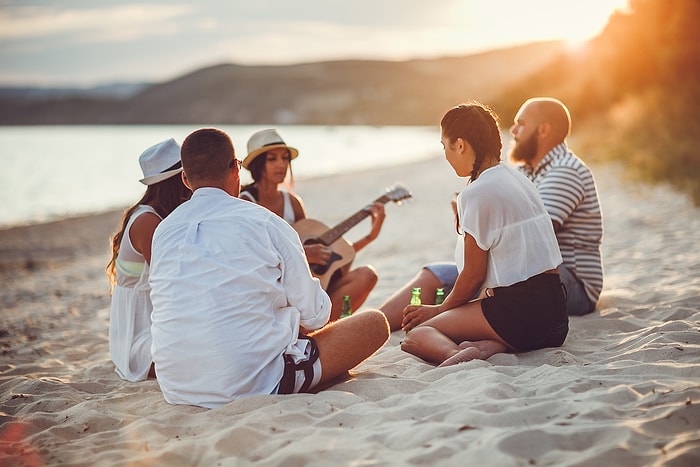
<point x="309" y="231"/>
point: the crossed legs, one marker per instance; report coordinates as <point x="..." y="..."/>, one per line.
<point x="455" y="336"/>
<point x="393" y="307"/>
<point x="346" y="343"/>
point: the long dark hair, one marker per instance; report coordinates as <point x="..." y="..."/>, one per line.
<point x="164" y="197"/>
<point x="256" y="167"/>
<point x="478" y="125"/>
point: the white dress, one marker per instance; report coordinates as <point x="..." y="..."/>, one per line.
<point x="130" y="310"/>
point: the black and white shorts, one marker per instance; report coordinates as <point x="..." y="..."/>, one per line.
<point x="304" y="374"/>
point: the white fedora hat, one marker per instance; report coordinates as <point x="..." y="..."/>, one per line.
<point x="264" y="140"/>
<point x="160" y="162"/>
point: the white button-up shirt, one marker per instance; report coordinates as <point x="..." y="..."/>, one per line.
<point x="230" y="288"/>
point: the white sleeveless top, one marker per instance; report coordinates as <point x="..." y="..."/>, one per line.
<point x="130" y="310"/>
<point x="287" y="211"/>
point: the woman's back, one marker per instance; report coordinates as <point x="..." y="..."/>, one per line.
<point x="504" y="213"/>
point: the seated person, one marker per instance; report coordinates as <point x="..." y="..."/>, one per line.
<point x="231" y="291"/>
<point x="506" y="247"/>
<point x="130" y="307"/>
<point x="269" y="161"/>
<point x="568" y="190"/>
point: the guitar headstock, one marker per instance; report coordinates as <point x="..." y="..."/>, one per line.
<point x="397" y="194"/>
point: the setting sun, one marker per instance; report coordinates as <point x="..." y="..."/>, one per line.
<point x="520" y="21"/>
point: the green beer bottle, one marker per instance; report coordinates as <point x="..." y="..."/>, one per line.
<point x="347" y="308"/>
<point x="439" y="296"/>
<point x="415" y="296"/>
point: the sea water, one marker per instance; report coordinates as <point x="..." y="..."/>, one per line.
<point x="51" y="172"/>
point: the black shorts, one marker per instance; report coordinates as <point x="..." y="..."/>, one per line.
<point x="529" y="315"/>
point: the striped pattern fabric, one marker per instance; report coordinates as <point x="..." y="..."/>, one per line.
<point x="568" y="190"/>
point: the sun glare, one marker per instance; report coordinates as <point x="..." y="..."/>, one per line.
<point x="588" y="18"/>
<point x="517" y="21"/>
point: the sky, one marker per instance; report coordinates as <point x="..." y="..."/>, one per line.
<point x="87" y="42"/>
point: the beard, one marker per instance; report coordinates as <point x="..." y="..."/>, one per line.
<point x="524" y="150"/>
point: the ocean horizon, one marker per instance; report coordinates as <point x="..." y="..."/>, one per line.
<point x="53" y="172"/>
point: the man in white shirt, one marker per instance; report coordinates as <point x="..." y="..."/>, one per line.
<point x="233" y="294"/>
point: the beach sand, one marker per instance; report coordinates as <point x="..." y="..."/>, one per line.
<point x="623" y="390"/>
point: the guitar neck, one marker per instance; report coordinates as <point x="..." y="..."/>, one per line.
<point x="339" y="230"/>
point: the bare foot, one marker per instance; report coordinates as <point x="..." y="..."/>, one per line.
<point x="464" y="355"/>
<point x="481" y="350"/>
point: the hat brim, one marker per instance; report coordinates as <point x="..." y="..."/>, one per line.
<point x="293" y="152"/>
<point x="153" y="179"/>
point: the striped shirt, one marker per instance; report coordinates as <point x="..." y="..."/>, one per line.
<point x="568" y="190"/>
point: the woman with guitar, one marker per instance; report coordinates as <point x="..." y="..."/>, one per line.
<point x="269" y="162"/>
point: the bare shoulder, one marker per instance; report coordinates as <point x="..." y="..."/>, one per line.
<point x="141" y="232"/>
<point x="146" y="221"/>
<point x="298" y="206"/>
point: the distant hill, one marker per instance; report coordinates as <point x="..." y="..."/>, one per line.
<point x="414" y="92"/>
<point x="633" y="92"/>
<point x="113" y="90"/>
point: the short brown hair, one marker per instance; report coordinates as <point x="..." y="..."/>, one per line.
<point x="206" y="154"/>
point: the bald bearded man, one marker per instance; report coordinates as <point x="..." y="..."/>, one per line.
<point x="568" y="189"/>
<point x="570" y="196"/>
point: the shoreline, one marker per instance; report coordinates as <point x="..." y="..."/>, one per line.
<point x="117" y="211"/>
<point x="622" y="389"/>
<point x="35" y="245"/>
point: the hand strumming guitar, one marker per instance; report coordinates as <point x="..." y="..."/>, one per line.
<point x="317" y="253"/>
<point x="327" y="251"/>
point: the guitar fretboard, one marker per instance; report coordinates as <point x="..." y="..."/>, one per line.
<point x="336" y="232"/>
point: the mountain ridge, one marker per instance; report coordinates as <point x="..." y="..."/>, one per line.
<point x="410" y="92"/>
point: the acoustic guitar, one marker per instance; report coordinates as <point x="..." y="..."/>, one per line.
<point x="313" y="232"/>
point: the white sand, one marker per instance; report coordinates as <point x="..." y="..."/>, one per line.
<point x="623" y="390"/>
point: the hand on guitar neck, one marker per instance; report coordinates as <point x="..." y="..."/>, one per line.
<point x="342" y="253"/>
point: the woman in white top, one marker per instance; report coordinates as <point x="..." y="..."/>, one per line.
<point x="507" y="249"/>
<point x="127" y="270"/>
<point x="269" y="162"/>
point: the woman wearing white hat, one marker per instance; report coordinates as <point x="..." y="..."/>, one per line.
<point x="127" y="270"/>
<point x="269" y="161"/>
